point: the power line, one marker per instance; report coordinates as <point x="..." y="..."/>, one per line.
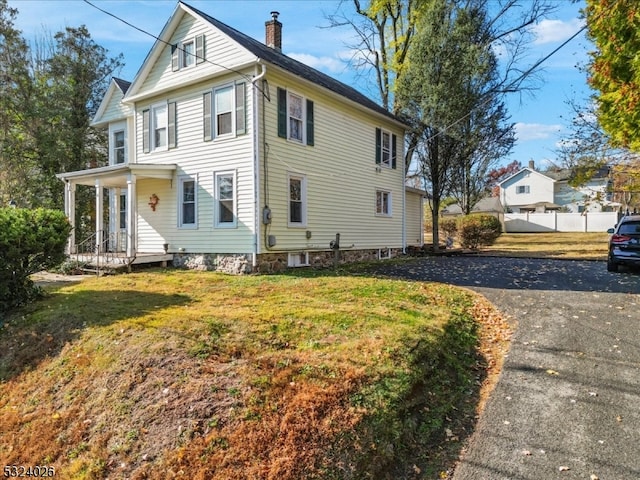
<point x="204" y="59"/>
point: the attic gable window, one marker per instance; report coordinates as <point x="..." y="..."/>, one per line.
<point x="295" y="118"/>
<point x="386" y="148"/>
<point x="188" y="53"/>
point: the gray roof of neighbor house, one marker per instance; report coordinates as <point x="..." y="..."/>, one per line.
<point x="295" y="67"/>
<point x="565" y="174"/>
<point x="484" y="205"/>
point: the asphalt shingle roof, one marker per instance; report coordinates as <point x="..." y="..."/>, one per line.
<point x="295" y="67"/>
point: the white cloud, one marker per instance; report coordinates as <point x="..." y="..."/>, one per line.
<point x="536" y="131"/>
<point x="325" y="64"/>
<point x="551" y="31"/>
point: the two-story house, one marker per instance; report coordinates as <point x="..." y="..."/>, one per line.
<point x="530" y="190"/>
<point x="226" y="154"/>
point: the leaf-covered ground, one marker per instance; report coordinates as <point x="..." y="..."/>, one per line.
<point x="170" y="374"/>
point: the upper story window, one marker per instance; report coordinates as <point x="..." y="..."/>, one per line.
<point x="295" y="117"/>
<point x="188" y="53"/>
<point x="386" y="148"/>
<point x="118" y="147"/>
<point x="523" y="189"/>
<point x="224" y="111"/>
<point x="159" y="128"/>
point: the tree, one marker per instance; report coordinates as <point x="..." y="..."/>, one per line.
<point x="497" y="175"/>
<point x="449" y="92"/>
<point x="614" y="28"/>
<point x="386" y="30"/>
<point x="15" y="90"/>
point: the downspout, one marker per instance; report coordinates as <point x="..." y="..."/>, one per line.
<point x="404" y="203"/>
<point x="256" y="163"/>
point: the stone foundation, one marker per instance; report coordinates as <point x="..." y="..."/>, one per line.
<point x="238" y="264"/>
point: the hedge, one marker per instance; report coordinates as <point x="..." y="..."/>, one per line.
<point x="30" y="241"/>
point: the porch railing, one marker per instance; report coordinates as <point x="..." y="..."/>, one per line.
<point x="101" y="250"/>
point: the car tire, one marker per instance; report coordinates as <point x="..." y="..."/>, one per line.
<point x="612" y="266"/>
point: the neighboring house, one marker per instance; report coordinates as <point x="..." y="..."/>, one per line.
<point x="532" y="191"/>
<point x="224" y="153"/>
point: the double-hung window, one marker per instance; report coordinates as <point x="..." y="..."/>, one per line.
<point x="226" y="205"/>
<point x="386" y="148"/>
<point x="224" y="111"/>
<point x="523" y="189"/>
<point x="187" y="203"/>
<point x="188" y="53"/>
<point x="297" y="200"/>
<point x="118" y="147"/>
<point x="159" y="128"/>
<point x="295" y="118"/>
<point x="383" y="203"/>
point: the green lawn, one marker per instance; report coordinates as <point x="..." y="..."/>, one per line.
<point x="309" y="375"/>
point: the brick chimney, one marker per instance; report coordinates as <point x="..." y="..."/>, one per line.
<point x="273" y="32"/>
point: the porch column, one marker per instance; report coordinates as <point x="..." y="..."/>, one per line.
<point x="132" y="211"/>
<point x="99" y="218"/>
<point x="70" y="211"/>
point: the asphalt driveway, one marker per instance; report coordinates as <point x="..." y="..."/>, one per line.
<point x="567" y="405"/>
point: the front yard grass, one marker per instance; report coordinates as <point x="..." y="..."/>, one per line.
<point x="176" y="374"/>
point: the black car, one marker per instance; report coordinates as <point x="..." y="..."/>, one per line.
<point x="624" y="243"/>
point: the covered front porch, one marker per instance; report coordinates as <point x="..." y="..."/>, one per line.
<point x="115" y="241"/>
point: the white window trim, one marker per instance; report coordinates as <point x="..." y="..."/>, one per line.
<point x="181" y="180"/>
<point x="152" y="127"/>
<point x="303" y="194"/>
<point x="389" y="162"/>
<point x="303" y="140"/>
<point x="216" y="177"/>
<point x="294" y="258"/>
<point x="214" y="111"/>
<point x="113" y="129"/>
<point x="182" y="56"/>
<point x="389" y="203"/>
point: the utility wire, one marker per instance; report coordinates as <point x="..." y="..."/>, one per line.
<point x="204" y="59"/>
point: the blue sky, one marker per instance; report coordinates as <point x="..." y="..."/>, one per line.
<point x="541" y="118"/>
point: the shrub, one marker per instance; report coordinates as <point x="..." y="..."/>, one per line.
<point x="478" y="230"/>
<point x="448" y="227"/>
<point x="30" y="241"/>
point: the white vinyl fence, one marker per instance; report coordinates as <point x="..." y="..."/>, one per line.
<point x="559" y="222"/>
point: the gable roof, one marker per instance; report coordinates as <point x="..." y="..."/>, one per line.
<point x="561" y="174"/>
<point x="262" y="53"/>
<point x="522" y="172"/>
<point x="123" y="85"/>
<point x="295" y="67"/>
<point x="115" y="85"/>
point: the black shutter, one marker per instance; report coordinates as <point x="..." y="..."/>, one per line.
<point x="146" y="132"/>
<point x="378" y="146"/>
<point x="310" y="137"/>
<point x="394" y="141"/>
<point x="282" y="113"/>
